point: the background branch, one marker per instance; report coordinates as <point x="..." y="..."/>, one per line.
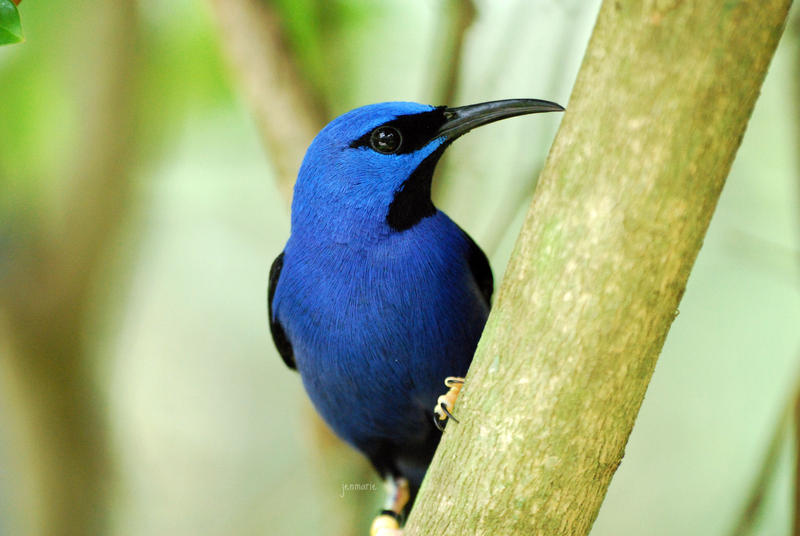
<point x="657" y="114"/>
<point x="746" y="522"/>
<point x="286" y="110"/>
<point x="462" y="14"/>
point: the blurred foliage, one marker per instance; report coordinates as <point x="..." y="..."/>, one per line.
<point x="209" y="432"/>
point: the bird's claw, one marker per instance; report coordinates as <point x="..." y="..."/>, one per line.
<point x="446" y="402"/>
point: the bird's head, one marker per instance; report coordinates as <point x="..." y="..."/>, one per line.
<point x="371" y="168"/>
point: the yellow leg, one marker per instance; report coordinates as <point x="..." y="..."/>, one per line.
<point x="385" y="525"/>
<point x="388" y="522"/>
<point x="446" y="402"/>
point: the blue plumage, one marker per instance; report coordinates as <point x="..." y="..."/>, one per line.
<point x="376" y="329"/>
<point x="378" y="296"/>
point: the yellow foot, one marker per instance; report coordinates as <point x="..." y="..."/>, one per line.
<point x="390" y="532"/>
<point x="446" y="402"/>
<point x="388" y="522"/>
<point x="385" y="525"/>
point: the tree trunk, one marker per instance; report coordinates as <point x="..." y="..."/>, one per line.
<point x="657" y="114"/>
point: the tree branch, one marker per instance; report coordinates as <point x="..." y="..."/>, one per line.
<point x="657" y="114"/>
<point x="287" y="112"/>
<point x="746" y="522"/>
<point x="463" y="15"/>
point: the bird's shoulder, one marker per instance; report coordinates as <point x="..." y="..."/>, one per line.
<point x="450" y="234"/>
<point x="479" y="266"/>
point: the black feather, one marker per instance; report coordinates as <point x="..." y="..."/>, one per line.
<point x="413" y="202"/>
<point x="417" y="130"/>
<point x="480" y="268"/>
<point x="278" y="334"/>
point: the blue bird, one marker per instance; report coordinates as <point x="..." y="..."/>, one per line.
<point x="378" y="297"/>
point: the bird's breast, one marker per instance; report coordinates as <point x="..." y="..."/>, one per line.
<point x="395" y="317"/>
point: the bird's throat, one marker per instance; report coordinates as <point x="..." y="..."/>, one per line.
<point x="412" y="202"/>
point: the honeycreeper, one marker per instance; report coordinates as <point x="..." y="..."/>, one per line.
<point x="378" y="297"/>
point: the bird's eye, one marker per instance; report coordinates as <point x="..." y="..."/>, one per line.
<point x="385" y="140"/>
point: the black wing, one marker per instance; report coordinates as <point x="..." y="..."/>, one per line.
<point x="480" y="268"/>
<point x="278" y="334"/>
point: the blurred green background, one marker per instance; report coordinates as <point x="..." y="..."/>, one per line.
<point x="144" y="167"/>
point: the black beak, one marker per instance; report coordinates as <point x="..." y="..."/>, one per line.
<point x="464" y="118"/>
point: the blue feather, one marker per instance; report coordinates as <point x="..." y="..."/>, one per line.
<point x="378" y="296"/>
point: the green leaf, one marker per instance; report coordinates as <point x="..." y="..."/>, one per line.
<point x="10" y="27"/>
